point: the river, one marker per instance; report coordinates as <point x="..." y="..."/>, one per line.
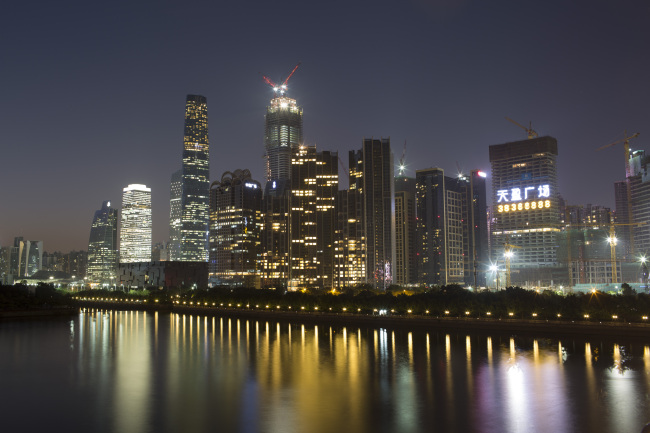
<point x="130" y="371"/>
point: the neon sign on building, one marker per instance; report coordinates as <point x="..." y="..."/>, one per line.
<point x="527" y="198"/>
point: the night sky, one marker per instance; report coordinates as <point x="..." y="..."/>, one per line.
<point x="93" y="93"/>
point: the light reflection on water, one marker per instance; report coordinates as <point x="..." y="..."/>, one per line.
<point x="139" y="372"/>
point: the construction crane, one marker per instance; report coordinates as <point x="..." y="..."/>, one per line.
<point x="612" y="244"/>
<point x="530" y="131"/>
<point x="507" y="247"/>
<point x="626" y="148"/>
<point x="402" y="163"/>
<point x="282" y="88"/>
<point x="628" y="173"/>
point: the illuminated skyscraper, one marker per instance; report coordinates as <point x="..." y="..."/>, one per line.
<point x="235" y="222"/>
<point x="525" y="208"/>
<point x="102" y="245"/>
<point x="451" y="227"/>
<point x="371" y="175"/>
<point x="405" y="248"/>
<point x="175" y="195"/>
<point x="283" y="135"/>
<point x="135" y="226"/>
<point x="195" y="182"/>
<point x="314" y="186"/>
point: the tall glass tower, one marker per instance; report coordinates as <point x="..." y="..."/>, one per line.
<point x="195" y="182"/>
<point x="283" y="134"/>
<point x="102" y="245"/>
<point x="175" y="194"/>
<point x="135" y="226"/>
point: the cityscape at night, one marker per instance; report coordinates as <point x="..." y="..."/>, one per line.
<point x="393" y="205"/>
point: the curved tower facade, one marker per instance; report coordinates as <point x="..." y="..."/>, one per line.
<point x="102" y="245"/>
<point x="283" y="133"/>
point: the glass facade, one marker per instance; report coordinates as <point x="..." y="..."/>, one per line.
<point x="175" y="194"/>
<point x="195" y="182"/>
<point x="235" y="223"/>
<point x="283" y="136"/>
<point x="102" y="246"/>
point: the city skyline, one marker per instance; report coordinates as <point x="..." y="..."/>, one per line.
<point x="442" y="77"/>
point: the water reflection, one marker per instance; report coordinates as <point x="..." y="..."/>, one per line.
<point x="137" y="371"/>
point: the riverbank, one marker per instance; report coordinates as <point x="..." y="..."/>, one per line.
<point x="39" y="312"/>
<point x="548" y="328"/>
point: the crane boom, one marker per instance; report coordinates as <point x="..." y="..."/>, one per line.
<point x="530" y="131"/>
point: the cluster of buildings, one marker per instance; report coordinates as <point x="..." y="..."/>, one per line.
<point x="296" y="229"/>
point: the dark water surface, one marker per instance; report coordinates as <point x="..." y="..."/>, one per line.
<point x="160" y="372"/>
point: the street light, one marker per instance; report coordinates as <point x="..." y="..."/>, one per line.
<point x="495" y="270"/>
<point x="612" y="244"/>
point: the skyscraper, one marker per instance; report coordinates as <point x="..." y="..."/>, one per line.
<point x="283" y="135"/>
<point x="525" y="208"/>
<point x="135" y="227"/>
<point x="452" y="227"/>
<point x="235" y="223"/>
<point x="195" y="182"/>
<point x="175" y="196"/>
<point x="405" y="248"/>
<point x="371" y="174"/>
<point x="314" y="186"/>
<point x="102" y="245"/>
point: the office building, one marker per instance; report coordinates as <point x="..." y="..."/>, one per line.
<point x="175" y="214"/>
<point x="314" y="186"/>
<point x="349" y="241"/>
<point x="525" y="210"/>
<point x="405" y="220"/>
<point x="282" y="137"/>
<point x="640" y="194"/>
<point x="135" y="224"/>
<point x="235" y="225"/>
<point x="102" y="246"/>
<point x="195" y="183"/>
<point x="371" y="175"/>
<point x="30" y="257"/>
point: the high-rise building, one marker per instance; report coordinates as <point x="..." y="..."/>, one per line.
<point x="283" y="136"/>
<point x="30" y="257"/>
<point x="135" y="226"/>
<point x="451" y="228"/>
<point x="195" y="182"/>
<point x="274" y="259"/>
<point x="350" y="242"/>
<point x="235" y="224"/>
<point x="525" y="209"/>
<point x="371" y="174"/>
<point x="175" y="214"/>
<point x="405" y="248"/>
<point x="314" y="186"/>
<point x="640" y="194"/>
<point x="102" y="246"/>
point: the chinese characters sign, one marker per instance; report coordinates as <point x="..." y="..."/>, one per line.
<point x="527" y="198"/>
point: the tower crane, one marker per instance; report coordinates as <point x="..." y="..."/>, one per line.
<point x="626" y="148"/>
<point x="507" y="247"/>
<point x="628" y="173"/>
<point x="530" y="131"/>
<point x="281" y="88"/>
<point x="612" y="244"/>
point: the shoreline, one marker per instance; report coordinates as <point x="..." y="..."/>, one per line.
<point x="512" y="326"/>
